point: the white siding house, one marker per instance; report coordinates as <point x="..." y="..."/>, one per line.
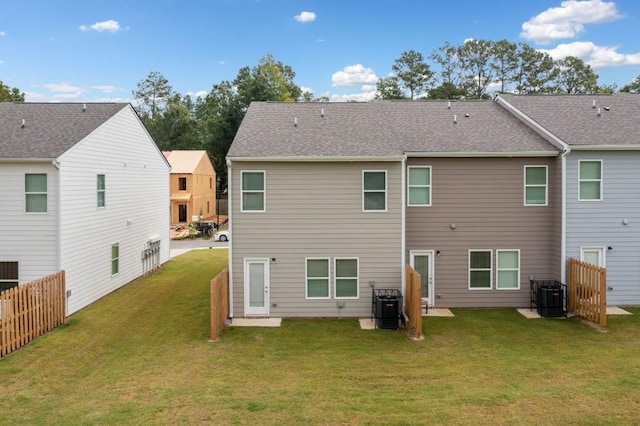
<point x="83" y="188"/>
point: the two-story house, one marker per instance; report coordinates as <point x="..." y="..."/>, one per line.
<point x="193" y="185"/>
<point x="83" y="188"/>
<point x="329" y="201"/>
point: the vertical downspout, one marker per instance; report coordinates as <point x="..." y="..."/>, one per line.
<point x="58" y="254"/>
<point x="563" y="232"/>
<point x="229" y="222"/>
<point x="403" y="233"/>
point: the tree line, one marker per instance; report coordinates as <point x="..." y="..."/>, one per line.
<point x="469" y="70"/>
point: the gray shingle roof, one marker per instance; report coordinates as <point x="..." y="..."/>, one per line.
<point x="50" y="128"/>
<point x="381" y="128"/>
<point x="573" y="118"/>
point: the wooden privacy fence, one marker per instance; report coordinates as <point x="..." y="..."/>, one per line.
<point x="413" y="302"/>
<point x="31" y="310"/>
<point x="588" y="291"/>
<point x="219" y="303"/>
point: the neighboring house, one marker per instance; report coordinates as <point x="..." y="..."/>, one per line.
<point x="602" y="179"/>
<point x="193" y="186"/>
<point x="328" y="201"/>
<point x="83" y="188"/>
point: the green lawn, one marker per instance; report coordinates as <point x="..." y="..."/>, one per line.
<point x="141" y="356"/>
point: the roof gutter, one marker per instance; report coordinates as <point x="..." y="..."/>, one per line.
<point x="317" y="159"/>
<point x="533" y="125"/>
<point x="27" y="160"/>
<point x="605" y="147"/>
<point x="508" y="154"/>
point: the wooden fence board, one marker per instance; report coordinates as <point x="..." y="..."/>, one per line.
<point x="219" y="303"/>
<point x="588" y="291"/>
<point x="31" y="310"/>
<point x="413" y="302"/>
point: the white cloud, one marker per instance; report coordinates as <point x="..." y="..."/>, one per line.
<point x="199" y="94"/>
<point x="3" y="33"/>
<point x="305" y="17"/>
<point x="107" y="88"/>
<point x="34" y="97"/>
<point x="567" y="21"/>
<point x="109" y="26"/>
<point x="63" y="87"/>
<point x="353" y="75"/>
<point x="357" y="97"/>
<point x="306" y="89"/>
<point x="596" y="56"/>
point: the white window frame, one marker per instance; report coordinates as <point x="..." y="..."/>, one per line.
<point x="601" y="180"/>
<point x="601" y="250"/>
<point x="364" y="191"/>
<point x="428" y="186"/>
<point x="115" y="259"/>
<point x="335" y="278"/>
<point x="546" y="185"/>
<point x="498" y="269"/>
<point x="306" y="275"/>
<point x="490" y="269"/>
<point x="263" y="191"/>
<point x="102" y="191"/>
<point x="45" y="193"/>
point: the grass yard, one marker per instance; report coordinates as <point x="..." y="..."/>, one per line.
<point x="141" y="356"/>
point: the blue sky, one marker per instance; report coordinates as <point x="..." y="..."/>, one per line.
<point x="97" y="50"/>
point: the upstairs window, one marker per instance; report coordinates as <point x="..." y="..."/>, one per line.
<point x="8" y="275"/>
<point x="101" y="191"/>
<point x="35" y="185"/>
<point x="535" y="185"/>
<point x="374" y="190"/>
<point x="419" y="186"/>
<point x="590" y="180"/>
<point x="253" y="191"/>
<point x="182" y="183"/>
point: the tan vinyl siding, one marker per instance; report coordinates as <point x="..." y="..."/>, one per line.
<point x="315" y="210"/>
<point x="483" y="199"/>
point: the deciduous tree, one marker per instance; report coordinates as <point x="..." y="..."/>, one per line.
<point x="574" y="76"/>
<point x="633" y="87"/>
<point x="389" y="88"/>
<point x="10" y="94"/>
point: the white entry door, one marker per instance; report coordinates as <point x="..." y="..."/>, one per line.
<point x="422" y="262"/>
<point x="256" y="287"/>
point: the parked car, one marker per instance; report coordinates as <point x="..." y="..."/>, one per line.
<point x="204" y="228"/>
<point x="221" y="236"/>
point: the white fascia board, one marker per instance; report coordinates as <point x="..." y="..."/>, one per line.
<point x="315" y="159"/>
<point x="27" y="160"/>
<point x="605" y="147"/>
<point x="535" y="126"/>
<point x="484" y="154"/>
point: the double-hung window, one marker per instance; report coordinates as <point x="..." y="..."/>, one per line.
<point x="317" y="273"/>
<point x="8" y="275"/>
<point x="101" y="188"/>
<point x="253" y="191"/>
<point x="374" y="190"/>
<point x="35" y="185"/>
<point x="480" y="268"/>
<point x="419" y="186"/>
<point x="507" y="269"/>
<point x="535" y="185"/>
<point x="115" y="259"/>
<point x="590" y="180"/>
<point x="346" y="278"/>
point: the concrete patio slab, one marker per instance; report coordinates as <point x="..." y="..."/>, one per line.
<point x="256" y="322"/>
<point x="614" y="310"/>
<point x="438" y="312"/>
<point x="529" y="313"/>
<point x="367" y="324"/>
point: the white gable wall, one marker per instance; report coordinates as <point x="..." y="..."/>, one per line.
<point x="136" y="211"/>
<point x="28" y="238"/>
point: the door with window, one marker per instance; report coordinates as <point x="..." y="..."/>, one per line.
<point x="593" y="255"/>
<point x="256" y="287"/>
<point x="422" y="262"/>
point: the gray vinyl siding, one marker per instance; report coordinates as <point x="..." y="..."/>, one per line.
<point x="600" y="223"/>
<point x="484" y="198"/>
<point x="28" y="238"/>
<point x="315" y="210"/>
<point x="136" y="209"/>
